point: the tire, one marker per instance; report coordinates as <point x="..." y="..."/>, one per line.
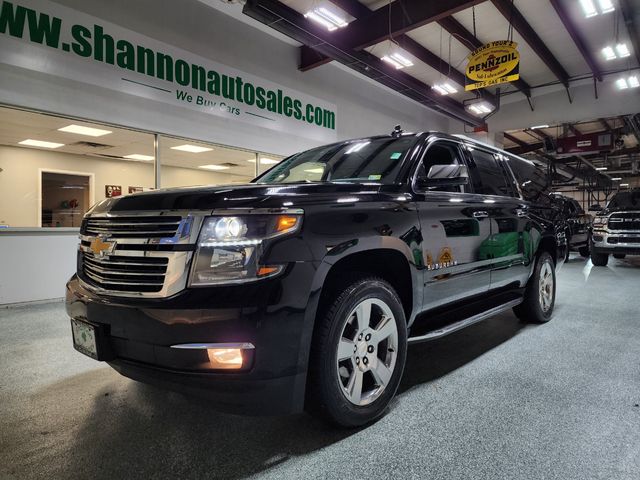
<point x="540" y="292"/>
<point x="599" y="259"/>
<point x="584" y="251"/>
<point x="619" y="256"/>
<point x="374" y="364"/>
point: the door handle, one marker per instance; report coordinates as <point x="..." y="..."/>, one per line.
<point x="521" y="212"/>
<point x="480" y="214"/>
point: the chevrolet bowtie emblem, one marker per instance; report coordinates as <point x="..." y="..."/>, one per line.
<point x="101" y="248"/>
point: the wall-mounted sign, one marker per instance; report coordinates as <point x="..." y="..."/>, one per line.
<point x="53" y="39"/>
<point x="136" y="189"/>
<point x="112" y="191"/>
<point x="494" y="63"/>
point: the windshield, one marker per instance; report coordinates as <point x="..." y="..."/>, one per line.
<point x="625" y="200"/>
<point x="372" y="159"/>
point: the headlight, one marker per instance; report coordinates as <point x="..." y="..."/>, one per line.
<point x="230" y="247"/>
<point x="600" y="220"/>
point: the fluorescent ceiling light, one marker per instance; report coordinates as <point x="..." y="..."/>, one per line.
<point x="40" y="143"/>
<point x="600" y="169"/>
<point x="623" y="50"/>
<point x="536" y="127"/>
<point x="445" y="88"/>
<point x="138" y="156"/>
<point x="80" y="130"/>
<point x="608" y="53"/>
<point x="616" y="178"/>
<point x="191" y="148"/>
<point x="588" y="8"/>
<point x="480" y="108"/>
<point x="606" y="6"/>
<point x="325" y="17"/>
<point x="398" y="60"/>
<point x="633" y="82"/>
<point x="264" y="161"/>
<point x="624" y="184"/>
<point x="214" y="167"/>
<point x="621" y="83"/>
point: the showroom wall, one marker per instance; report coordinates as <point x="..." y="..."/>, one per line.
<point x="20" y="173"/>
<point x="361" y="107"/>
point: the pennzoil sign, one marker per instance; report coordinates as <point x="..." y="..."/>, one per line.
<point x="494" y="63"/>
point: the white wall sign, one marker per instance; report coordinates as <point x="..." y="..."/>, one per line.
<point x="53" y="39"/>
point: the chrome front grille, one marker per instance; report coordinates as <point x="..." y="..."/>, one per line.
<point x="133" y="227"/>
<point x="125" y="274"/>
<point x="138" y="254"/>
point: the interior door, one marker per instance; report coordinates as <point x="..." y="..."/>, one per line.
<point x="454" y="224"/>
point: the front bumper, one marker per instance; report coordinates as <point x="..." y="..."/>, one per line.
<point x="605" y="241"/>
<point x="138" y="334"/>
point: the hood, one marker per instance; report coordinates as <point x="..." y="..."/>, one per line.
<point x="238" y="196"/>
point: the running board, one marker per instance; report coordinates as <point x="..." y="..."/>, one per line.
<point x="459" y="325"/>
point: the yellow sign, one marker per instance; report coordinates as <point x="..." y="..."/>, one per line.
<point x="494" y="63"/>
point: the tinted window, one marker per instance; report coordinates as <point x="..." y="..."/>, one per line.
<point x="533" y="181"/>
<point x="369" y="159"/>
<point x="441" y="153"/>
<point x="487" y="174"/>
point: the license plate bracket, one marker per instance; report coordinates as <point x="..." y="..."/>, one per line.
<point x="90" y="339"/>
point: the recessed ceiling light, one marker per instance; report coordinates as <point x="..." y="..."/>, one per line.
<point x="623" y="50"/>
<point x="608" y="53"/>
<point x="445" y="88"/>
<point x="40" y="143"/>
<point x="621" y="83"/>
<point x="138" y="156"/>
<point x="214" y="167"/>
<point x="588" y="8"/>
<point x="480" y="108"/>
<point x="80" y="130"/>
<point x="398" y="59"/>
<point x="325" y="17"/>
<point x="536" y="127"/>
<point x="264" y="161"/>
<point x="191" y="148"/>
<point x="606" y="6"/>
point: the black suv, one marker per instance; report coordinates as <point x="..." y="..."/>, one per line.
<point x="616" y="229"/>
<point x="578" y="224"/>
<point x="304" y="288"/>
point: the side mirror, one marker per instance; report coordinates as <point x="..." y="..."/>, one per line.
<point x="596" y="207"/>
<point x="444" y="176"/>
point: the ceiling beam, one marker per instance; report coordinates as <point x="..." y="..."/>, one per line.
<point x="527" y="148"/>
<point x="513" y="16"/>
<point x="293" y="24"/>
<point x="575" y="34"/>
<point x="467" y="38"/>
<point x="310" y="58"/>
<point x="356" y="9"/>
<point x="399" y="17"/>
<point x="634" y="33"/>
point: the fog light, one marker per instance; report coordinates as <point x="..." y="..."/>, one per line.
<point x="225" y="357"/>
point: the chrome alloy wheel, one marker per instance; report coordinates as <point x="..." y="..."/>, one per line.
<point x="546" y="286"/>
<point x="367" y="351"/>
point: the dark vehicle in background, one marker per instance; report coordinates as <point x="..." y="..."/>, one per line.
<point x="616" y="229"/>
<point x="304" y="288"/>
<point x="578" y="224"/>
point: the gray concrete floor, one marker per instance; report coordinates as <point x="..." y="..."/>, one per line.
<point x="500" y="400"/>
